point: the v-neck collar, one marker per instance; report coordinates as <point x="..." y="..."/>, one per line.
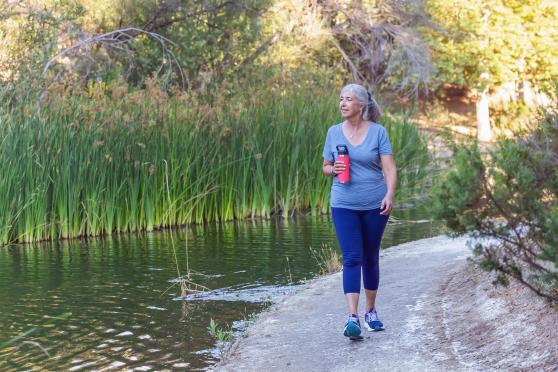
<point x="349" y="142"/>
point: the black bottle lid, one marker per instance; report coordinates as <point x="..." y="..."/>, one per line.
<point x="342" y="150"/>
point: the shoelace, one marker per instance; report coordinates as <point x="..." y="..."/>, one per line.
<point x="372" y="316"/>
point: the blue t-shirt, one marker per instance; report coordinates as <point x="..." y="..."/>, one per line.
<point x="368" y="186"/>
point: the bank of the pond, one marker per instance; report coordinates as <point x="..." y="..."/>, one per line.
<point x="440" y="314"/>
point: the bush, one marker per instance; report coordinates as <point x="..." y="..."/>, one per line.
<point x="508" y="200"/>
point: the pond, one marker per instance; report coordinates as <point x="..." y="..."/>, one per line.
<point x="114" y="303"/>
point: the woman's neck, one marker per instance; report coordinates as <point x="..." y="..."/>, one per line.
<point x="354" y="122"/>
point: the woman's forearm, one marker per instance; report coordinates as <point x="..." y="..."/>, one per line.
<point x="391" y="181"/>
<point x="327" y="170"/>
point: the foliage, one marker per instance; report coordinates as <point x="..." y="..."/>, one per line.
<point x="414" y="161"/>
<point x="376" y="41"/>
<point x="485" y="43"/>
<point x="509" y="201"/>
<point x="113" y="159"/>
<point x="328" y="259"/>
<point x="456" y="192"/>
<point x="383" y="43"/>
<point x="31" y="33"/>
<point x="211" y="37"/>
<point x="380" y="43"/>
<point x="224" y="338"/>
<point x="515" y="119"/>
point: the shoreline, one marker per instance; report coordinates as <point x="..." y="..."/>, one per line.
<point x="162" y="229"/>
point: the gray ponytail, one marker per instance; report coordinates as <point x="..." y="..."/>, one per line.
<point x="370" y="108"/>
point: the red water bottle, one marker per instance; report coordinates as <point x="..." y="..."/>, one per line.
<point x="343" y="155"/>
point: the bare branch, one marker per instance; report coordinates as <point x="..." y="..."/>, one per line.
<point x="357" y="75"/>
<point x="383" y="42"/>
<point x="118" y="40"/>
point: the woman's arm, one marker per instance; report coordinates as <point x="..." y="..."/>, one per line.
<point x="328" y="168"/>
<point x="390" y="173"/>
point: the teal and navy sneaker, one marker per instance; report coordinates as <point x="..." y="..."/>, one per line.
<point x="352" y="327"/>
<point x="371" y="321"/>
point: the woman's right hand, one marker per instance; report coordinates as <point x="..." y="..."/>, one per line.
<point x="338" y="167"/>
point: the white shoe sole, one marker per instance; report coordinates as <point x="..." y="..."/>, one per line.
<point x="368" y="328"/>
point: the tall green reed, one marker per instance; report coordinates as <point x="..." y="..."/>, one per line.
<point x="108" y="159"/>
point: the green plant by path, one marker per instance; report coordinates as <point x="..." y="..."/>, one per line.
<point x="328" y="259"/>
<point x="224" y="338"/>
<point x="509" y="199"/>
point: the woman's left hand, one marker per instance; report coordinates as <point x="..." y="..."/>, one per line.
<point x="386" y="206"/>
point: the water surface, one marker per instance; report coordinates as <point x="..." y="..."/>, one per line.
<point x="125" y="306"/>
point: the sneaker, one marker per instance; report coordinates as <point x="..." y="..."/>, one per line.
<point x="352" y="327"/>
<point x="372" y="322"/>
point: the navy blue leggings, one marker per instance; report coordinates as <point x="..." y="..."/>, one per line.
<point x="359" y="234"/>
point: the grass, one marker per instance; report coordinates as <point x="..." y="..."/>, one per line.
<point x="328" y="259"/>
<point x="108" y="159"/>
<point x="224" y="338"/>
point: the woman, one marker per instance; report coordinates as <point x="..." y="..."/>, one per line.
<point x="361" y="208"/>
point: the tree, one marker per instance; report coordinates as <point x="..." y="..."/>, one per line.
<point x="376" y="41"/>
<point x="485" y="44"/>
<point x="212" y="37"/>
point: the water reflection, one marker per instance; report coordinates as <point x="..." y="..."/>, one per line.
<point x="123" y="314"/>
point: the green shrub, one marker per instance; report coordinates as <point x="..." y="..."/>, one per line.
<point x="509" y="196"/>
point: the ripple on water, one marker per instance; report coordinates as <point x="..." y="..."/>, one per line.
<point x="114" y="365"/>
<point x="262" y="293"/>
<point x="143" y="368"/>
<point x="82" y="366"/>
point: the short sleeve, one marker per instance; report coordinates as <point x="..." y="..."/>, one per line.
<point x="327" y="153"/>
<point x="384" y="144"/>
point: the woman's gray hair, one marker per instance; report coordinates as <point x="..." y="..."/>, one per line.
<point x="370" y="109"/>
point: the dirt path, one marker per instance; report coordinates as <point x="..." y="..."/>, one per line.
<point x="439" y="314"/>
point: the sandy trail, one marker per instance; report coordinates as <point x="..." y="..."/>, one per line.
<point x="441" y="314"/>
<point x="304" y="331"/>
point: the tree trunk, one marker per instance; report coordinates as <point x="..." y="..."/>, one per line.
<point x="484" y="133"/>
<point x="527" y="93"/>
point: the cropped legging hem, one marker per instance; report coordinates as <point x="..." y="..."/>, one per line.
<point x="359" y="233"/>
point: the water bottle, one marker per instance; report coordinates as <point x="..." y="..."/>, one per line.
<point x="343" y="155"/>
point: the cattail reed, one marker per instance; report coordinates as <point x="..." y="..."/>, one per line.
<point x="94" y="161"/>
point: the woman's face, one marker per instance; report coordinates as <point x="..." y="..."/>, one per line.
<point x="349" y="106"/>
